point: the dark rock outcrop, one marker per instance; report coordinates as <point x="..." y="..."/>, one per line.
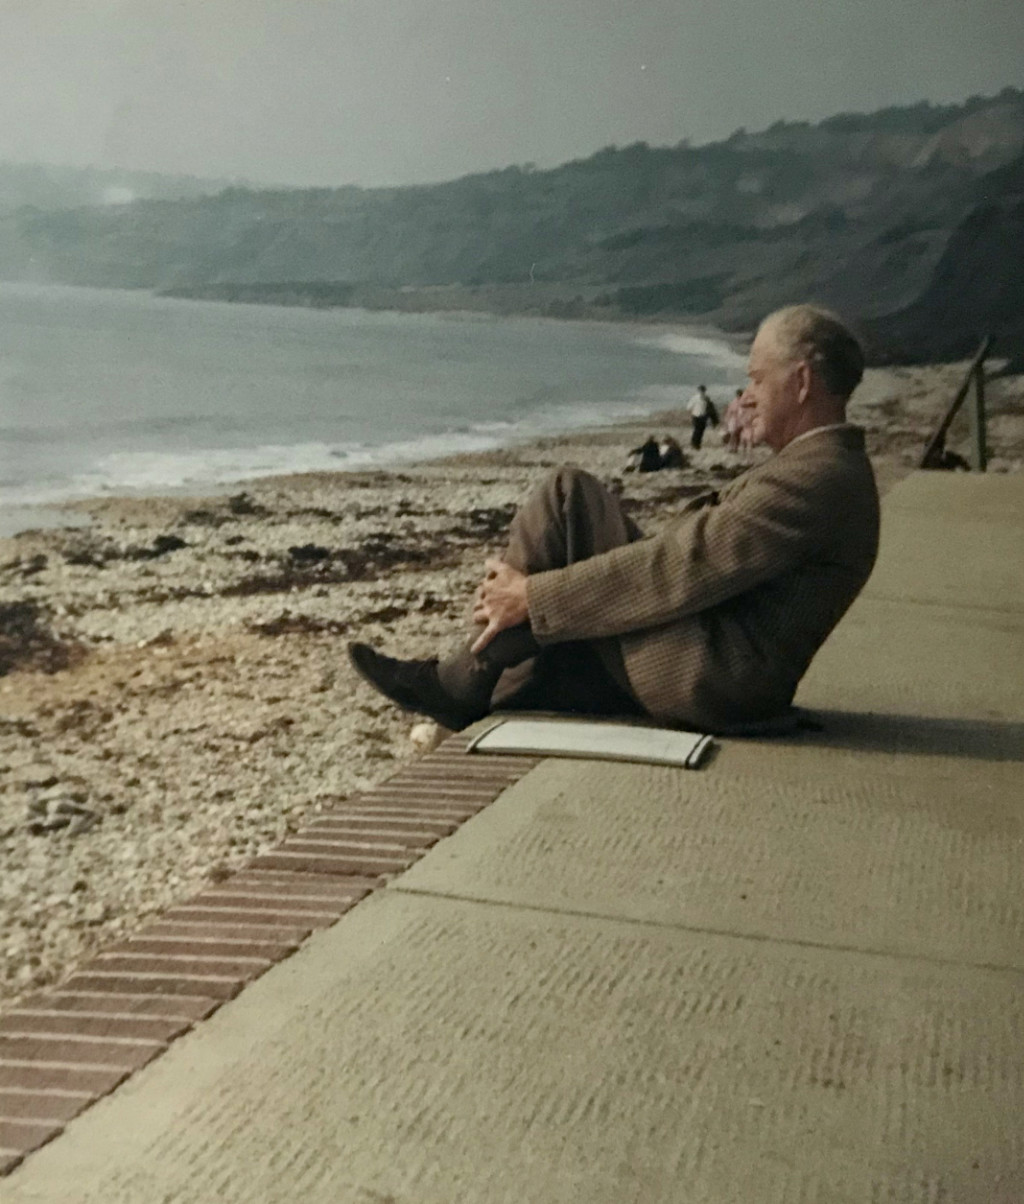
<point x="975" y="290"/>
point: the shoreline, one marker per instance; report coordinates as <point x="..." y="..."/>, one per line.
<point x="557" y="301"/>
<point x="207" y="469"/>
<point x="184" y="701"/>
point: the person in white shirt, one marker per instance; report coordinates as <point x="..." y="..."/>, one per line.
<point x="702" y="411"/>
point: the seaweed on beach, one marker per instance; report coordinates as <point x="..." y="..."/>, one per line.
<point x="27" y="640"/>
<point x="245" y="504"/>
<point x="485" y="522"/>
<point x="308" y="565"/>
<point x="287" y="623"/>
<point x="160" y="546"/>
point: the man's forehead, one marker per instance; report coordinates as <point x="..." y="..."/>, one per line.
<point x="763" y="349"/>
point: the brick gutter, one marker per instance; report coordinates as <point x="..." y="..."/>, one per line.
<point x="63" y="1049"/>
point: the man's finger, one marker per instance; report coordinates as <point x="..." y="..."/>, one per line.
<point x="484" y="638"/>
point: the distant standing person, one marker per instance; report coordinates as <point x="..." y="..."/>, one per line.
<point x="702" y="411"/>
<point x="734" y="422"/>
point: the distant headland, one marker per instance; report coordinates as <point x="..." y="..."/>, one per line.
<point x="909" y="220"/>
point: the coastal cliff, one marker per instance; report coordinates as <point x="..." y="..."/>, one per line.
<point x="876" y="214"/>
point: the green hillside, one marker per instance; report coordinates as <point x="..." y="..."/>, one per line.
<point x="856" y="211"/>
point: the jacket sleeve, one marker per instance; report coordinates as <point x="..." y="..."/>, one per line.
<point x="769" y="525"/>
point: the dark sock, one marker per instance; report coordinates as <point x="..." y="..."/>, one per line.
<point x="470" y="680"/>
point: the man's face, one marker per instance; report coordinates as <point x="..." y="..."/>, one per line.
<point x="770" y="403"/>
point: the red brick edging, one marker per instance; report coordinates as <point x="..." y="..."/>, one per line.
<point x="63" y="1049"/>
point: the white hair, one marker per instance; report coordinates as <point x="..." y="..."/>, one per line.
<point x="819" y="337"/>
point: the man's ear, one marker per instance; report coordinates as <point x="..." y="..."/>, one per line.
<point x="804" y="380"/>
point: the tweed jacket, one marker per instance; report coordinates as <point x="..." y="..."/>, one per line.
<point x="718" y="616"/>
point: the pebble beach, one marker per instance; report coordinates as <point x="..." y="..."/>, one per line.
<point x="174" y="692"/>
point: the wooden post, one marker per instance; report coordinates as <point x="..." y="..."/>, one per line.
<point x="979" y="451"/>
<point x="935" y="451"/>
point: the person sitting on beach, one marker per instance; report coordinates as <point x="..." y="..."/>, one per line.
<point x="709" y="624"/>
<point x="670" y="454"/>
<point x="646" y="457"/>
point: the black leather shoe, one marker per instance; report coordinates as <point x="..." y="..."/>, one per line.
<point x="414" y="685"/>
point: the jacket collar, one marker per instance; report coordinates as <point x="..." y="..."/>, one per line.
<point x="846" y="434"/>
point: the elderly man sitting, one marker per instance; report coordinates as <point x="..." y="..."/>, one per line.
<point x="709" y="624"/>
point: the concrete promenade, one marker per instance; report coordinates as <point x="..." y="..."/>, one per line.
<point x="795" y="975"/>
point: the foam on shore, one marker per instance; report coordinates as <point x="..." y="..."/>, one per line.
<point x="711" y="349"/>
<point x="147" y="473"/>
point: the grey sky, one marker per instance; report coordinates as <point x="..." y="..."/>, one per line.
<point x="402" y="91"/>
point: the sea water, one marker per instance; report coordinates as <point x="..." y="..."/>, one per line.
<point x="112" y="392"/>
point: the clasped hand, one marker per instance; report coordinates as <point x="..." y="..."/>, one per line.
<point x="500" y="601"/>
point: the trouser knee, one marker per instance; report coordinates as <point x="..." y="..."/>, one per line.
<point x="559" y="492"/>
<point x="568" y="482"/>
<point x="568" y="517"/>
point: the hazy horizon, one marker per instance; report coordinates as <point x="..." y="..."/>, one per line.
<point x="238" y="180"/>
<point x="391" y="92"/>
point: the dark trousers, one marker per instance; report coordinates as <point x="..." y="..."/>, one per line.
<point x="697" y="434"/>
<point x="569" y="517"/>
